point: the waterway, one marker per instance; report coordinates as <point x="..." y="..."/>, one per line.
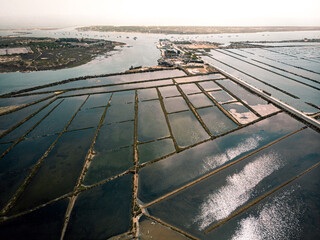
<point x="140" y="50"/>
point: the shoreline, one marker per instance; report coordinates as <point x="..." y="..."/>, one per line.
<point x="194" y="30"/>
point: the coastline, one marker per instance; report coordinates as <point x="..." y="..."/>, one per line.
<point x="188" y="30"/>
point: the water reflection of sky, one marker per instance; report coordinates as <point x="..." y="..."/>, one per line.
<point x="278" y="219"/>
<point x="237" y="190"/>
<point x="213" y="161"/>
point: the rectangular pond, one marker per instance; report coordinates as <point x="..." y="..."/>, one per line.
<point x="209" y="86"/>
<point x="186" y="129"/>
<point x="106" y="205"/>
<point x="154" y="150"/>
<point x="175" y="104"/>
<point x="151" y="121"/>
<point x="222" y="96"/>
<point x="216" y="121"/>
<point x="109" y="163"/>
<point x="240" y="112"/>
<point x="200" y="100"/>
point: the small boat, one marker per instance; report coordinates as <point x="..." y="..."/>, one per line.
<point x="132" y="67"/>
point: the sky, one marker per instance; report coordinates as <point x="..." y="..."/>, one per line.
<point x="57" y="13"/>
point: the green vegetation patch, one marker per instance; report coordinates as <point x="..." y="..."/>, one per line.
<point x="49" y="53"/>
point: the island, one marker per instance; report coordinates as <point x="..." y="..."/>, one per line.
<point x="25" y="54"/>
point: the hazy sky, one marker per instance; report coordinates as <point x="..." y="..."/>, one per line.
<point x="162" y="12"/>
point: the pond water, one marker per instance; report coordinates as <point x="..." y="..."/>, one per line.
<point x="277" y="67"/>
<point x="59" y="172"/>
<point x="114" y="136"/>
<point x="292" y="212"/>
<point x="10" y="183"/>
<point x="25" y="153"/>
<point x="215" y="198"/>
<point x="147" y="94"/>
<point x="199" y="78"/>
<point x="222" y="96"/>
<point x="186" y="129"/>
<point x="190" y="88"/>
<point x="8" y="121"/>
<point x="97" y="100"/>
<point x="153" y="150"/>
<point x="19" y="101"/>
<point x="292" y="101"/>
<point x="59" y="118"/>
<point x="240" y="112"/>
<point x="103" y="211"/>
<point x="117" y="79"/>
<point x="261" y="106"/>
<point x="28" y="125"/>
<point x="216" y="121"/>
<point x="169" y="91"/>
<point x="209" y="86"/>
<point x="109" y="163"/>
<point x="305" y="93"/>
<point x="200" y="100"/>
<point x="171" y="173"/>
<point x="44" y="223"/>
<point x="151" y="121"/>
<point x="175" y="104"/>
